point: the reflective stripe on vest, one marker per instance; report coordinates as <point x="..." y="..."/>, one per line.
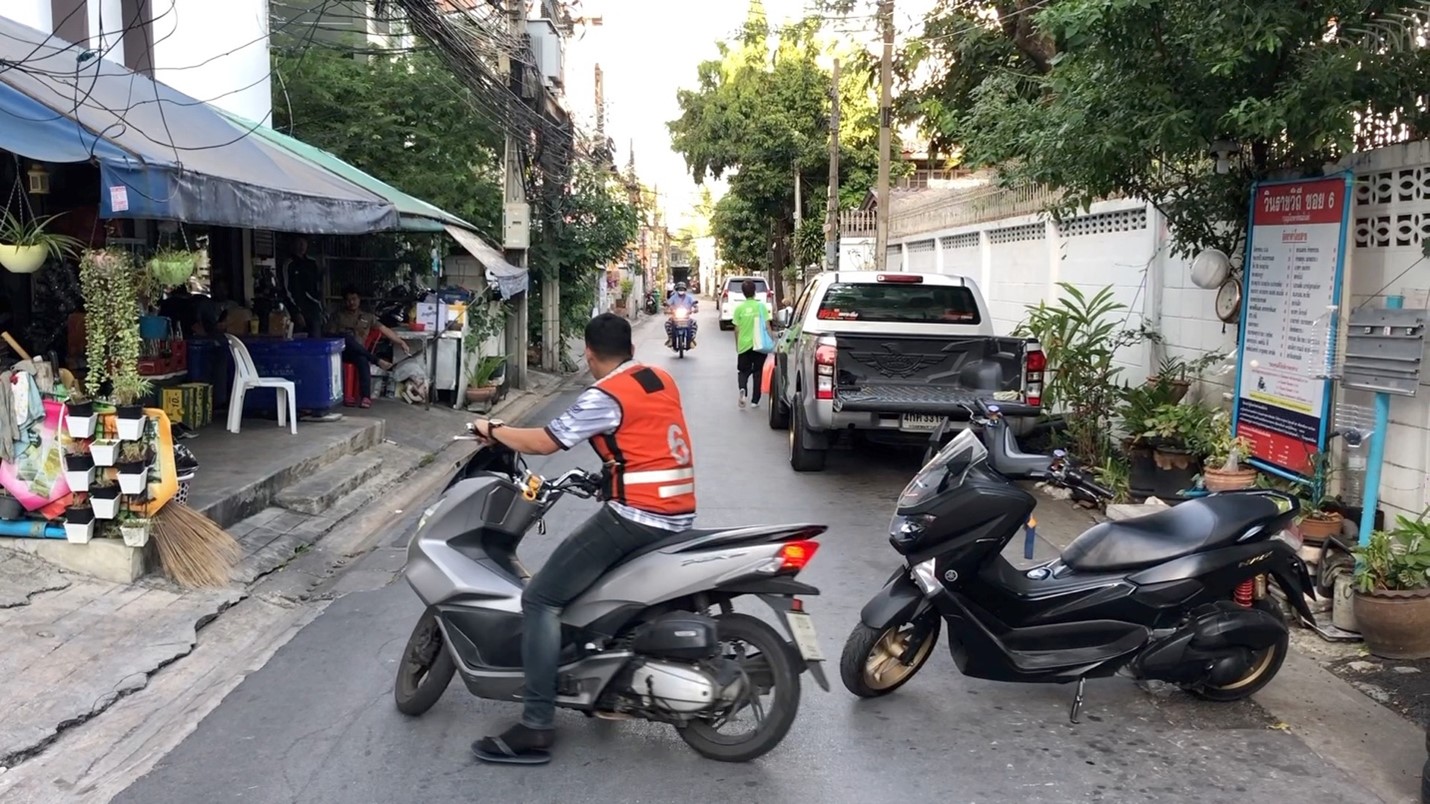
<point x="648" y="459"/>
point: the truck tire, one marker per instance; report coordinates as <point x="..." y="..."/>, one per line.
<point x="779" y="411"/>
<point x="802" y="457"/>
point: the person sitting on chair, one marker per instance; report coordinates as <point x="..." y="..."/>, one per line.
<point x="353" y="324"/>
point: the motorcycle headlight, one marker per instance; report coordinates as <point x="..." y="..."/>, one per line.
<point x="905" y="530"/>
<point x="926" y="577"/>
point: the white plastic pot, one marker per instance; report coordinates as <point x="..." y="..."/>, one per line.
<point x="79" y="534"/>
<point x="79" y="481"/>
<point x="104" y="509"/>
<point x="135" y="533"/>
<point x="133" y="483"/>
<point x="104" y="452"/>
<point x="22" y="259"/>
<point x="131" y="429"/>
<point x="80" y="427"/>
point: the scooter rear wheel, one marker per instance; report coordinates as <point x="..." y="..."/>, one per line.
<point x="767" y="662"/>
<point x="1264" y="667"/>
<point x="870" y="665"/>
<point x="425" y="669"/>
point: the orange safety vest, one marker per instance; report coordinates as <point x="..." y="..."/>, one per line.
<point x="649" y="463"/>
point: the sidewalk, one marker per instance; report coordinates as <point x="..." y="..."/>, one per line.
<point x="75" y="645"/>
<point x="1347" y="728"/>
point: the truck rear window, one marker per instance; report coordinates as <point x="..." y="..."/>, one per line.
<point x="922" y="304"/>
<point x="735" y="285"/>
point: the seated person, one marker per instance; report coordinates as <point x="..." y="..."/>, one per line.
<point x="353" y="324"/>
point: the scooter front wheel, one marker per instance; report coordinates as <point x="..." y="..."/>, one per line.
<point x="872" y="663"/>
<point x="425" y="670"/>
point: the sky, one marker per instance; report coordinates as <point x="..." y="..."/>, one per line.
<point x="649" y="49"/>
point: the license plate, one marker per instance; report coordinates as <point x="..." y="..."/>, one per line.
<point x="919" y="423"/>
<point x="804" y="638"/>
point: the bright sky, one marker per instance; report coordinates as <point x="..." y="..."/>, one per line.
<point x="647" y="50"/>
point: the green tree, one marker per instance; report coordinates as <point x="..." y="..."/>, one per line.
<point x="1129" y="97"/>
<point x="759" y="114"/>
<point x="403" y="119"/>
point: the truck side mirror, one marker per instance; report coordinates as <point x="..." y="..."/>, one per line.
<point x="782" y="318"/>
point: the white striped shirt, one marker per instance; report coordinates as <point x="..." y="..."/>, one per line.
<point x="594" y="413"/>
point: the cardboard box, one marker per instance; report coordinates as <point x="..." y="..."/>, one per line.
<point x="190" y="403"/>
<point x="433" y="316"/>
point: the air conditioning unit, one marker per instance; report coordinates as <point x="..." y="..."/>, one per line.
<point x="549" y="49"/>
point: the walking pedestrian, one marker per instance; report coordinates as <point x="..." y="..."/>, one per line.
<point x="753" y="340"/>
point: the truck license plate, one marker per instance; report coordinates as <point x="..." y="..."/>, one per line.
<point x="919" y="423"/>
<point x="804" y="638"/>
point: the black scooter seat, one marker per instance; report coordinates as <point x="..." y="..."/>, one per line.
<point x="1192" y="527"/>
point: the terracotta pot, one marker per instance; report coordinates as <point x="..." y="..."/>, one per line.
<point x="1219" y="480"/>
<point x="1179" y="387"/>
<point x="1315" y="531"/>
<point x="483" y="394"/>
<point x="1395" y="624"/>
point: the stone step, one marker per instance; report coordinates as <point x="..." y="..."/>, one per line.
<point x="317" y="492"/>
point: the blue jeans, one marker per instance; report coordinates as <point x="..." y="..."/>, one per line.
<point x="578" y="562"/>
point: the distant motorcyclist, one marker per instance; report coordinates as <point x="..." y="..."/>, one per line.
<point x="680" y="299"/>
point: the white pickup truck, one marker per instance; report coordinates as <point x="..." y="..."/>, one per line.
<point x="889" y="355"/>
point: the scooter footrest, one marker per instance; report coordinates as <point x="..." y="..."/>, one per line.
<point x="1073" y="655"/>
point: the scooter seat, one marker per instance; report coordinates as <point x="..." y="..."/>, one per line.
<point x="1192" y="527"/>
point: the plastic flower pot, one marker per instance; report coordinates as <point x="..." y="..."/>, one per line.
<point x="79" y="471"/>
<point x="22" y="259"/>
<point x="105" y="501"/>
<point x="79" y="525"/>
<point x="80" y="419"/>
<point x="104" y="452"/>
<point x="131" y="422"/>
<point x="133" y="477"/>
<point x="135" y="532"/>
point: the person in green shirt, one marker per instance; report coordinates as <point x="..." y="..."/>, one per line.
<point x="749" y="317"/>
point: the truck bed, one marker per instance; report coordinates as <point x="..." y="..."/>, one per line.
<point x="929" y="375"/>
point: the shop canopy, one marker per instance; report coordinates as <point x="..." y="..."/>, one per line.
<point x="417" y="215"/>
<point x="163" y="155"/>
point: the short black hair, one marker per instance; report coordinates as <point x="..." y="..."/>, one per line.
<point x="608" y="336"/>
<point x="351" y="290"/>
<point x="748" y="288"/>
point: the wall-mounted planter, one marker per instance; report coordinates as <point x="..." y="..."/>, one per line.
<point x="104" y="452"/>
<point x="79" y="471"/>
<point x="133" y="476"/>
<point x="80" y="419"/>
<point x="105" y="501"/>
<point x="130" y="419"/>
<point x="79" y="524"/>
<point x="135" y="532"/>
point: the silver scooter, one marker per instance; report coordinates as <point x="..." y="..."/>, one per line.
<point x="656" y="638"/>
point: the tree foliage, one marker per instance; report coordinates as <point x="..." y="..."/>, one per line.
<point x="760" y="113"/>
<point x="403" y="119"/>
<point x="1127" y="97"/>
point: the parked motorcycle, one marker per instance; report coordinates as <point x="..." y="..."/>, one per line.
<point x="652" y="303"/>
<point x="655" y="638"/>
<point x="680" y="339"/>
<point x="1179" y="596"/>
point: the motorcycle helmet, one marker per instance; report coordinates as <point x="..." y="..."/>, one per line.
<point x="680" y="287"/>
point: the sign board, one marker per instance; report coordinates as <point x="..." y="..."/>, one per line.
<point x="1295" y="262"/>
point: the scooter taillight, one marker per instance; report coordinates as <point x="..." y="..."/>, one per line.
<point x="795" y="555"/>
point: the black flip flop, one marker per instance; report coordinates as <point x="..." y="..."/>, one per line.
<point x="503" y="755"/>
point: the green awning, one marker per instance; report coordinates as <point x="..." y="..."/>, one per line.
<point x="417" y="215"/>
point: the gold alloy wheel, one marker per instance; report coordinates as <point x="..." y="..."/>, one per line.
<point x="1253" y="675"/>
<point x="883" y="669"/>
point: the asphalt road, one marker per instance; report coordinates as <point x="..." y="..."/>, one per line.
<point x="317" y="724"/>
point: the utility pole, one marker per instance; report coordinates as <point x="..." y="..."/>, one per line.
<point x="514" y="196"/>
<point x="600" y="103"/>
<point x="831" y="209"/>
<point x="886" y="114"/>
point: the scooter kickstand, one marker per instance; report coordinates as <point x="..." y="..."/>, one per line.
<point x="1077" y="702"/>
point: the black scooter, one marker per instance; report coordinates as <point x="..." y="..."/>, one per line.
<point x="1179" y="596"/>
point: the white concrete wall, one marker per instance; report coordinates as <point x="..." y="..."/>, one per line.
<point x="1019" y="261"/>
<point x="34" y="13"/>
<point x="216" y="52"/>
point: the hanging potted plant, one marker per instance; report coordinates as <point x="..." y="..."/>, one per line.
<point x="1392" y="599"/>
<point x="104" y="497"/>
<point x="133" y="467"/>
<point x="135" y="530"/>
<point x="109" y="285"/>
<point x="1178" y="436"/>
<point x="24" y="247"/>
<point x="79" y="469"/>
<point x="104" y="451"/>
<point x="171" y="267"/>
<point x="79" y="419"/>
<point x="79" y="524"/>
<point x="1223" y="469"/>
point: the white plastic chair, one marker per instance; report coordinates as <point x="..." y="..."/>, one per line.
<point x="245" y="377"/>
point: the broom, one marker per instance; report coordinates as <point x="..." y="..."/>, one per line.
<point x="193" y="549"/>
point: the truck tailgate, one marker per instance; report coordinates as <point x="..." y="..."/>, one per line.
<point x="929" y="375"/>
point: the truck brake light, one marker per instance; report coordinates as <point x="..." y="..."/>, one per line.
<point x="1035" y="364"/>
<point x="826" y="353"/>
<point x="912" y="279"/>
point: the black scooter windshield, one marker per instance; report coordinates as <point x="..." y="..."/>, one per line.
<point x="945" y="470"/>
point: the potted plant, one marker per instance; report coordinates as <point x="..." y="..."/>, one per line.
<point x="104" y="497"/>
<point x="1223" y="470"/>
<point x="1392" y="599"/>
<point x="79" y="524"/>
<point x="1178" y="435"/>
<point x="485" y="379"/>
<point x="1320" y="515"/>
<point x="104" y="451"/>
<point x="1139" y="404"/>
<point x="171" y="267"/>
<point x="79" y="469"/>
<point x="485" y="321"/>
<point x="25" y="246"/>
<point x="133" y="467"/>
<point x="625" y="294"/>
<point x="79" y="419"/>
<point x="129" y="414"/>
<point x="135" y="530"/>
<point x="108" y="284"/>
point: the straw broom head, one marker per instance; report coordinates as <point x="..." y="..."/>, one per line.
<point x="193" y="549"/>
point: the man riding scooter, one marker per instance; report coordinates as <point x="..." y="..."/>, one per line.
<point x="681" y="299"/>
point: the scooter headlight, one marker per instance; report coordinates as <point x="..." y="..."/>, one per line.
<point x="926" y="577"/>
<point x="906" y="530"/>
